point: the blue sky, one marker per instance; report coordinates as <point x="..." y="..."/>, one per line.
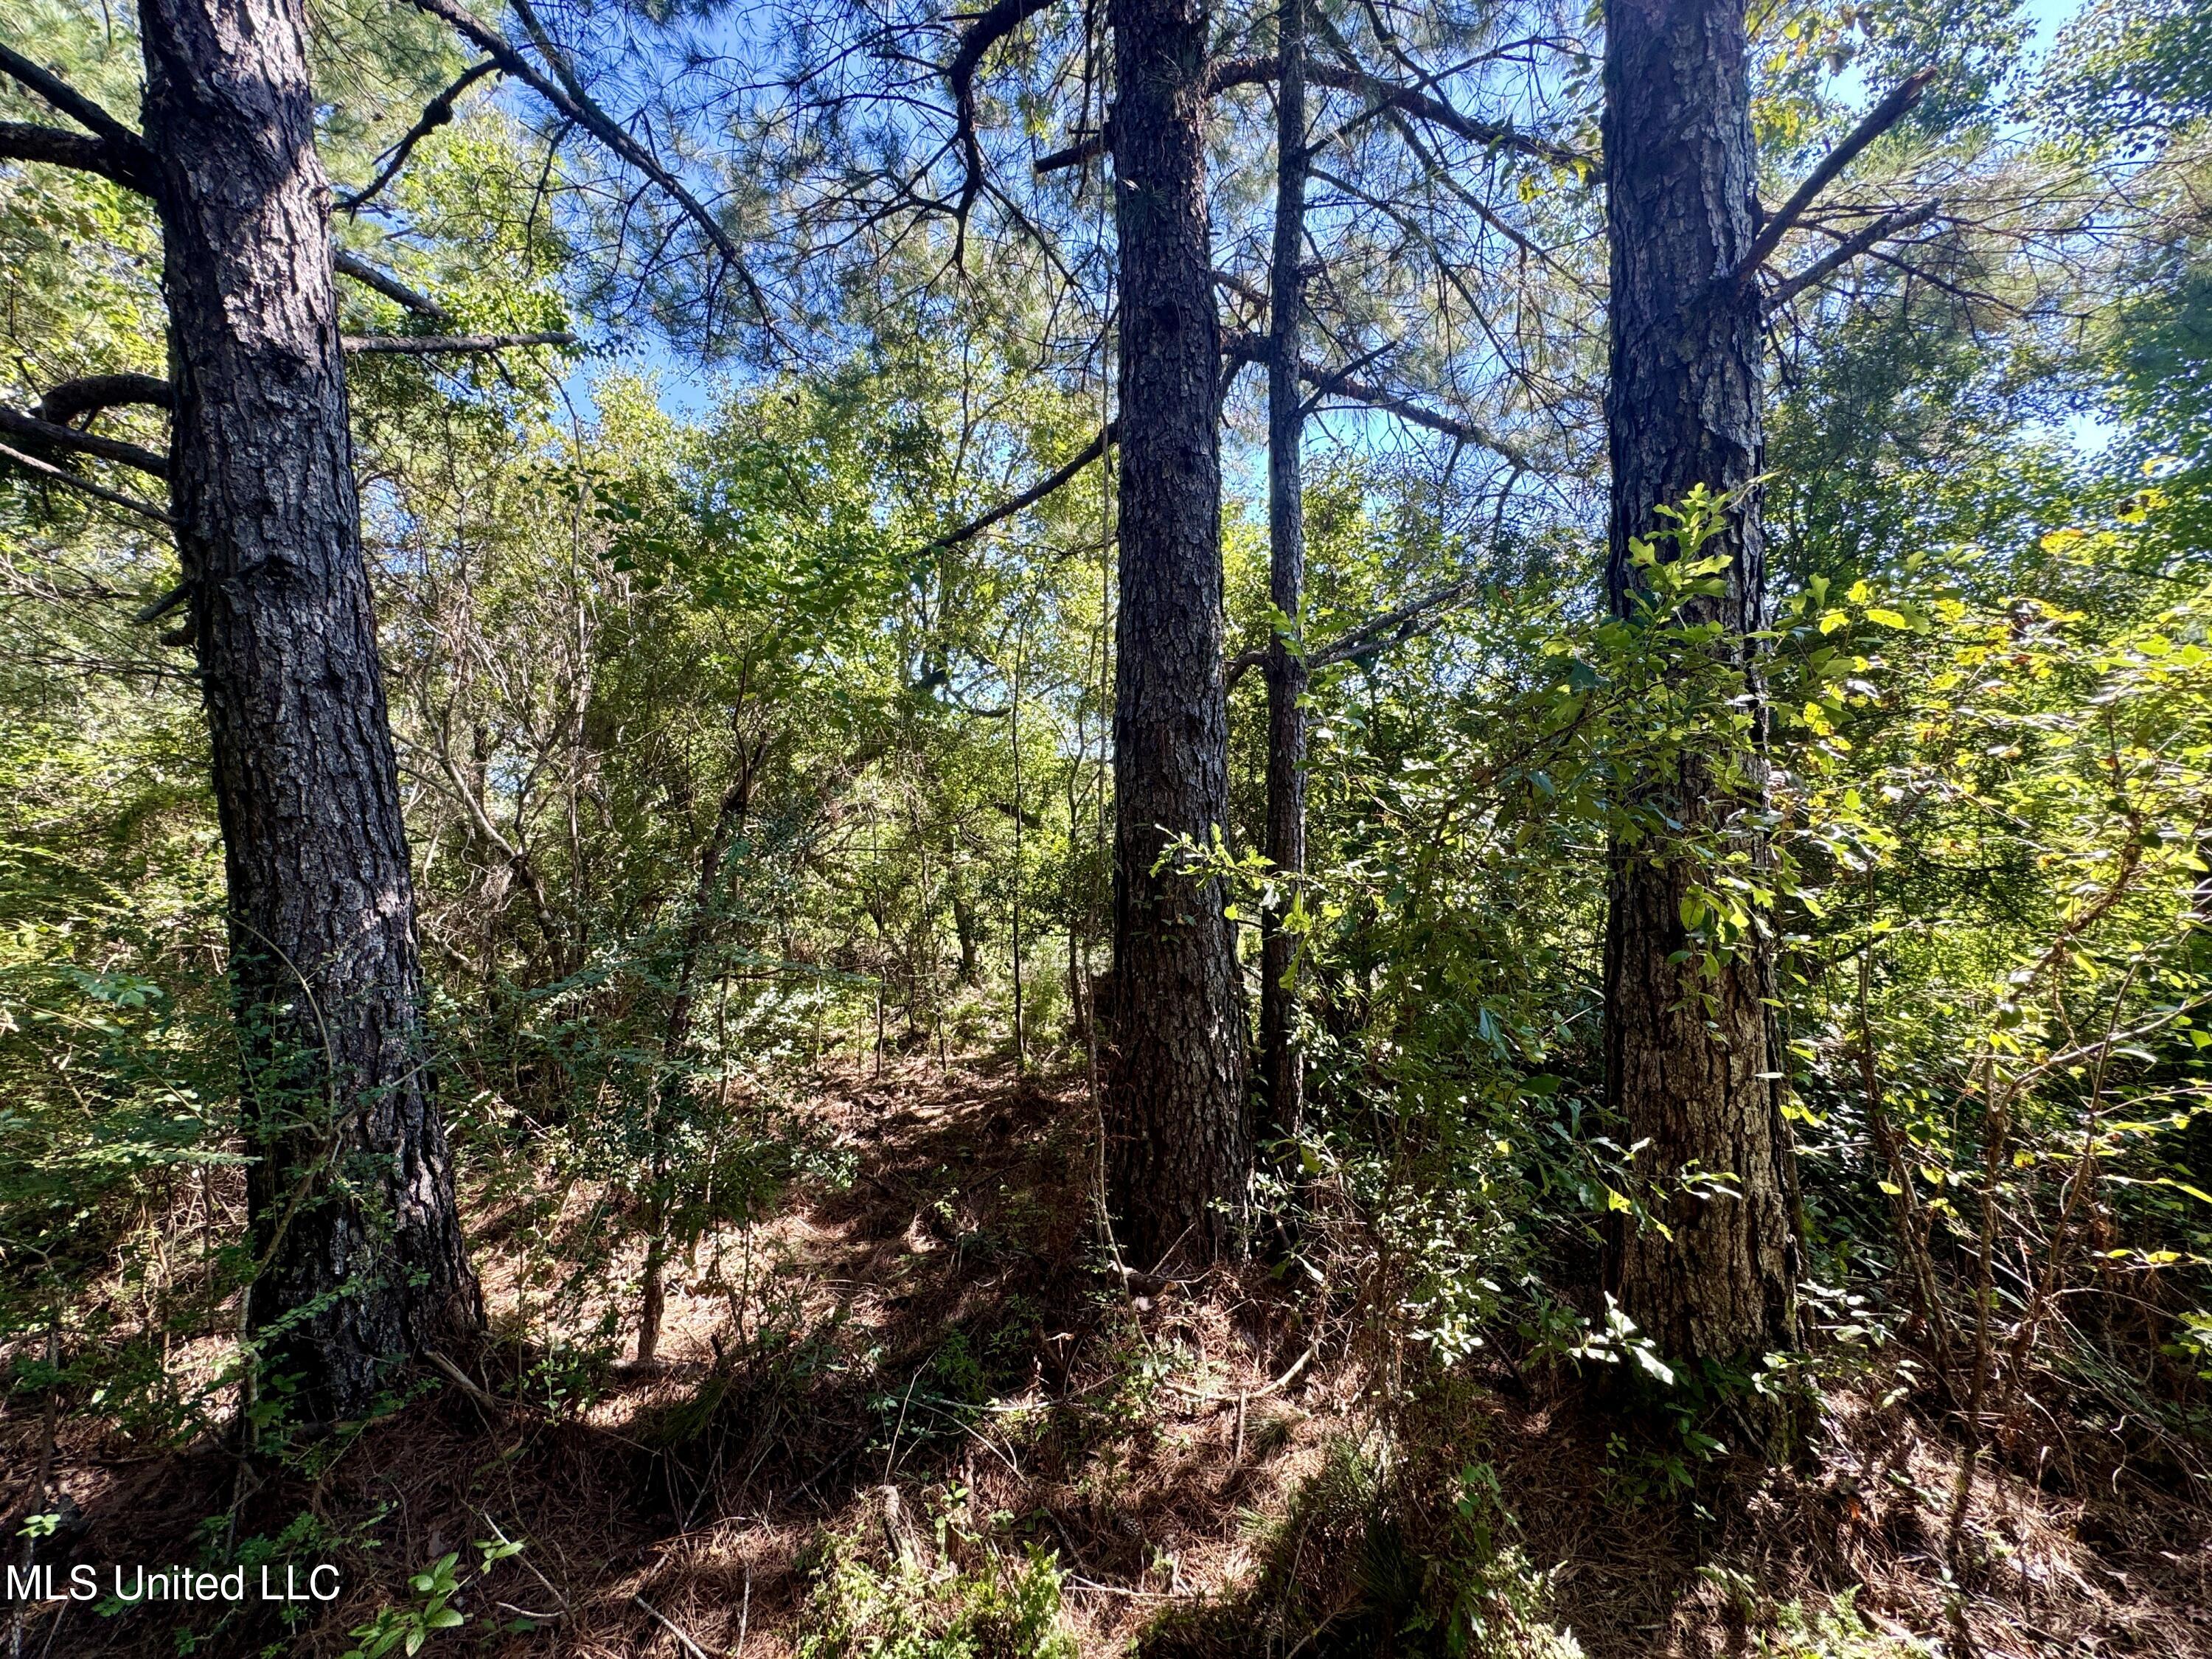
<point x="686" y="389"/>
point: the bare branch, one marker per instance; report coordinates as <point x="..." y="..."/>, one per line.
<point x="129" y="162"/>
<point x="1375" y="397"/>
<point x="163" y="605"/>
<point x="577" y="105"/>
<point x="1243" y="290"/>
<point x="1036" y="493"/>
<point x="1229" y="72"/>
<point x="431" y="345"/>
<point x="73" y="400"/>
<point x="1417" y="615"/>
<point x="1246" y="71"/>
<point x="353" y="265"/>
<point x="1879" y="120"/>
<point x="1084" y="150"/>
<point x="993" y="25"/>
<point x="19" y="425"/>
<point x="1346" y="383"/>
<point x="1848" y="250"/>
<point x="435" y="114"/>
<point x="22" y="141"/>
<point x="48" y="470"/>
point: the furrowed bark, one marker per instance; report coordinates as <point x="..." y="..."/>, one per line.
<point x="1179" y="1130"/>
<point x="350" y="1194"/>
<point x="1282" y="1078"/>
<point x="1699" y="1089"/>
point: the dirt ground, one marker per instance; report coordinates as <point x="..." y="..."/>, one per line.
<point x="938" y="1365"/>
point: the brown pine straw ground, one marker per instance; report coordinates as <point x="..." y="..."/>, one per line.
<point x="939" y="1362"/>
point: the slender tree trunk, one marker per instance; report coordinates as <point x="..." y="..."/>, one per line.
<point x="350" y="1194"/>
<point x="1696" y="1080"/>
<point x="730" y="816"/>
<point x="1180" y="1130"/>
<point x="1282" y="1072"/>
<point x="965" y="930"/>
<point x="1014" y="716"/>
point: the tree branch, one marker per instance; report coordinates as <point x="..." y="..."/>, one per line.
<point x="431" y="345"/>
<point x="17" y="424"/>
<point x="435" y="114"/>
<point x="1375" y="397"/>
<point x="577" y="105"/>
<point x="1848" y="250"/>
<point x="48" y="469"/>
<point x="353" y="265"/>
<point x="130" y="162"/>
<point x="73" y="400"/>
<point x="1241" y="348"/>
<point x="1082" y="150"/>
<point x="22" y="141"/>
<point x="1391" y="95"/>
<point x="1879" y="120"/>
<point x="1417" y="615"/>
<point x="1036" y="493"/>
<point x="993" y="25"/>
<point x="1229" y="72"/>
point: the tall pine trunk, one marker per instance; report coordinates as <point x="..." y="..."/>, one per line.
<point x="1180" y="1130"/>
<point x="350" y="1194"/>
<point x="1696" y="1080"/>
<point x="1281" y="1070"/>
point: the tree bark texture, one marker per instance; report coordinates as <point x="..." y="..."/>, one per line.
<point x="1695" y="1082"/>
<point x="1180" y="1128"/>
<point x="350" y="1194"/>
<point x="1282" y="1073"/>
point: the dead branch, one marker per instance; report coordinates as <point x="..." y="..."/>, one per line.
<point x="1030" y="497"/>
<point x="430" y="345"/>
<point x="60" y="475"/>
<point x="368" y="275"/>
<point x="435" y="114"/>
<point x="18" y="424"/>
<point x="1849" y="249"/>
<point x="1879" y="120"/>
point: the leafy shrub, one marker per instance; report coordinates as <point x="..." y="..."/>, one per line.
<point x="1002" y="1607"/>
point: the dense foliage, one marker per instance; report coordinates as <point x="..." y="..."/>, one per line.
<point x="733" y="763"/>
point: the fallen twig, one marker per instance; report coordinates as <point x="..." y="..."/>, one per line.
<point x="673" y="1629"/>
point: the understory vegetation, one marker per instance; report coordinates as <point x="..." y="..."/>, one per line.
<point x="757" y="719"/>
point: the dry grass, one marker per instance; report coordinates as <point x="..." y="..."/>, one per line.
<point x="936" y="1362"/>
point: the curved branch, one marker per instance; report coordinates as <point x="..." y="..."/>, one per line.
<point x="993" y="25"/>
<point x="73" y="400"/>
<point x="130" y="162"/>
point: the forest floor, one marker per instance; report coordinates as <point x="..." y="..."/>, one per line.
<point x="925" y="1377"/>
